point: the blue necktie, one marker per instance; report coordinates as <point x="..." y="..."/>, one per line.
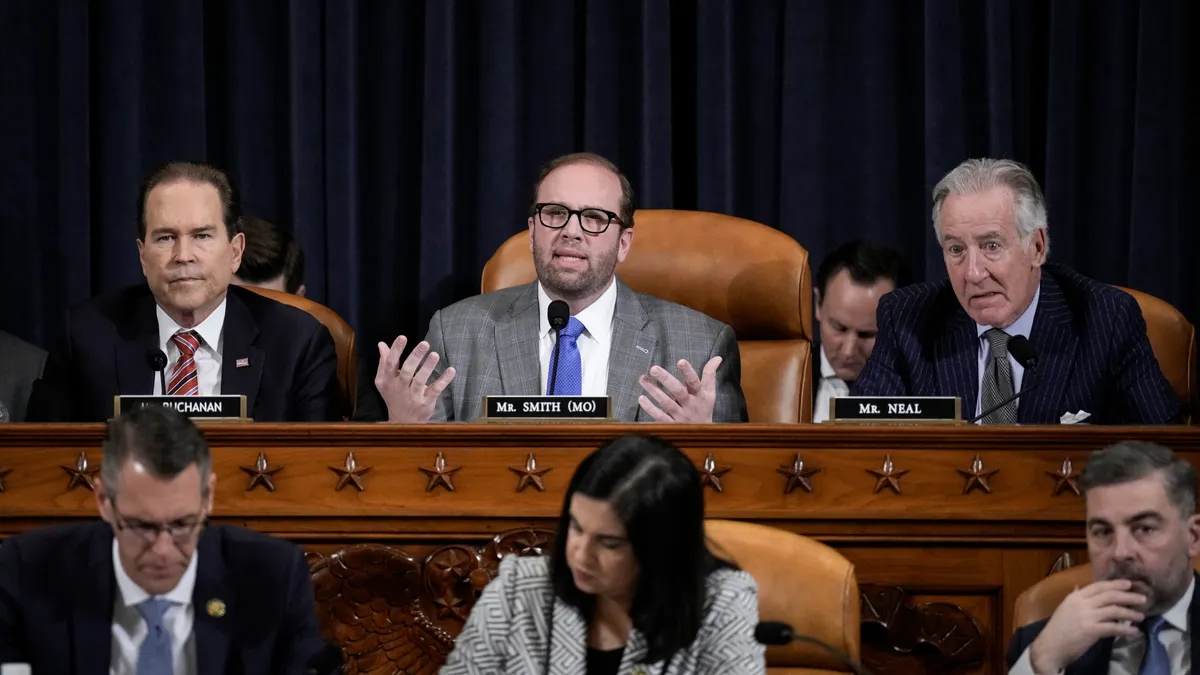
<point x="1155" y="662"/>
<point x="569" y="381"/>
<point x="155" y="656"/>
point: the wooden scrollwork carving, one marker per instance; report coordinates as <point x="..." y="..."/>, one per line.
<point x="890" y="621"/>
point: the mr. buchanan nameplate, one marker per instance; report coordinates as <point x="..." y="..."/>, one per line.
<point x="547" y="408"/>
<point x="895" y="409"/>
<point x="225" y="407"/>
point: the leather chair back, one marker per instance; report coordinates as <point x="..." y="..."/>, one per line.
<point x="745" y="274"/>
<point x="1173" y="339"/>
<point x="343" y="339"/>
<point x="1041" y="599"/>
<point x="801" y="582"/>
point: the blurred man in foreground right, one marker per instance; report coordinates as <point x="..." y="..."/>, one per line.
<point x="1138" y="614"/>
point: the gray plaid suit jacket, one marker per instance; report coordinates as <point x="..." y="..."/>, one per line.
<point x="507" y="631"/>
<point x="491" y="340"/>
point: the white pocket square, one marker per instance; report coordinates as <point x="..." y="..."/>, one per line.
<point x="1074" y="418"/>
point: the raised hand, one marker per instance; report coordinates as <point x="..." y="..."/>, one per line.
<point x="405" y="388"/>
<point x="1100" y="610"/>
<point x="690" y="401"/>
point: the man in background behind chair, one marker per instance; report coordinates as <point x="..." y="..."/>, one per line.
<point x="272" y="259"/>
<point x="846" y="292"/>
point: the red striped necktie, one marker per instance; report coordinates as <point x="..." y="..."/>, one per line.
<point x="184" y="379"/>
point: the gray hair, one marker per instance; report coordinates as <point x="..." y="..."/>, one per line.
<point x="159" y="438"/>
<point x="1128" y="461"/>
<point x="977" y="175"/>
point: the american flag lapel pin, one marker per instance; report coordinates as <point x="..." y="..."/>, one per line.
<point x="242" y="363"/>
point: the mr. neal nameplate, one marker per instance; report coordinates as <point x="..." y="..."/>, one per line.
<point x="896" y="409"/>
<point x="547" y="408"/>
<point x="224" y="407"/>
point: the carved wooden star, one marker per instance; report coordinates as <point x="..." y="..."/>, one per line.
<point x="81" y="473"/>
<point x="889" y="476"/>
<point x="711" y="475"/>
<point x="350" y="474"/>
<point x="4" y="471"/>
<point x="439" y="474"/>
<point x="797" y="475"/>
<point x="1064" y="479"/>
<point x="530" y="475"/>
<point x="977" y="477"/>
<point x="260" y="474"/>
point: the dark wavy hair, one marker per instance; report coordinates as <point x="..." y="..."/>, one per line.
<point x="655" y="491"/>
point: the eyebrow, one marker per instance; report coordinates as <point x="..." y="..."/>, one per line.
<point x="1145" y="515"/>
<point x="606" y="537"/>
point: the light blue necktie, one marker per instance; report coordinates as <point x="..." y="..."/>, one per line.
<point x="1155" y="662"/>
<point x="155" y="656"/>
<point x="569" y="381"/>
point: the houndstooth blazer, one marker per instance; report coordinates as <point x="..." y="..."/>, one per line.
<point x="507" y="630"/>
<point x="491" y="340"/>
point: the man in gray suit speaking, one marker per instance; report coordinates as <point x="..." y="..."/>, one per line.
<point x="634" y="347"/>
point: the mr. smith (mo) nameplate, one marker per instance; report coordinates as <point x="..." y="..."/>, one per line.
<point x="547" y="408"/>
<point x="224" y="407"/>
<point x="895" y="409"/>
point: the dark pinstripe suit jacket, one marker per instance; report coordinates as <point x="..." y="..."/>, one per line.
<point x="1090" y="339"/>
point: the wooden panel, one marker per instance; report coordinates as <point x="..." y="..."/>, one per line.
<point x="966" y="519"/>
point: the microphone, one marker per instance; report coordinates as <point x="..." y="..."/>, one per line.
<point x="1023" y="352"/>
<point x="328" y="661"/>
<point x="779" y="633"/>
<point x="157" y="360"/>
<point x="558" y="313"/>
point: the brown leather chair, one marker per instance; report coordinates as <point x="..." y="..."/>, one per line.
<point x="801" y="582"/>
<point x="750" y="276"/>
<point x="1041" y="599"/>
<point x="1173" y="339"/>
<point x="343" y="339"/>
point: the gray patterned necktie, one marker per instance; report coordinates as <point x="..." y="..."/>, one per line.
<point x="997" y="379"/>
<point x="155" y="657"/>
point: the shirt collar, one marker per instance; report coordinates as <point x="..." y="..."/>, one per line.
<point x="827" y="371"/>
<point x="132" y="595"/>
<point x="596" y="318"/>
<point x="1178" y="616"/>
<point x="1023" y="324"/>
<point x="208" y="329"/>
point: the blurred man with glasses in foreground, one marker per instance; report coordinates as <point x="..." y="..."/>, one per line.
<point x="151" y="588"/>
<point x="658" y="361"/>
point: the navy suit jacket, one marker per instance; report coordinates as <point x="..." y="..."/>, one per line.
<point x="58" y="590"/>
<point x="1090" y="338"/>
<point x="1095" y="661"/>
<point x="290" y="376"/>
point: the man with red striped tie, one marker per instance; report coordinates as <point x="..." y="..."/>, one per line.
<point x="218" y="338"/>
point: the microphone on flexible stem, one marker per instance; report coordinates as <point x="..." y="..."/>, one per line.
<point x="558" y="313"/>
<point x="1023" y="353"/>
<point x="157" y="360"/>
<point x="779" y="633"/>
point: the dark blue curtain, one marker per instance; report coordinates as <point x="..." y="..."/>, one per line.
<point x="399" y="139"/>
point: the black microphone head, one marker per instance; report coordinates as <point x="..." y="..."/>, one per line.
<point x="773" y="633"/>
<point x="1023" y="352"/>
<point x="559" y="313"/>
<point x="156" y="359"/>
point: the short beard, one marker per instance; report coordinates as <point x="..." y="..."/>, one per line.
<point x="601" y="265"/>
<point x="1165" y="591"/>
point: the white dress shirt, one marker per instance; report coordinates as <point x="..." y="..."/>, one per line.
<point x="831" y="385"/>
<point x="129" y="629"/>
<point x="1127" y="653"/>
<point x="1021" y="326"/>
<point x="208" y="356"/>
<point x="594" y="344"/>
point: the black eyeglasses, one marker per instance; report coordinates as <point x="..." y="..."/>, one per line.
<point x="592" y="221"/>
<point x="180" y="530"/>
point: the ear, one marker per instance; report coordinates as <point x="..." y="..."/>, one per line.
<point x="302" y="290"/>
<point x="103" y="503"/>
<point x="531" y="234"/>
<point x="212" y="492"/>
<point x="1193" y="534"/>
<point x="1039" y="247"/>
<point x="142" y="255"/>
<point x="817" y="303"/>
<point x="624" y="243"/>
<point x="237" y="246"/>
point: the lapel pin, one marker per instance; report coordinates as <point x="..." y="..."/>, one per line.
<point x="642" y="349"/>
<point x="639" y="671"/>
<point x="242" y="363"/>
<point x="216" y="608"/>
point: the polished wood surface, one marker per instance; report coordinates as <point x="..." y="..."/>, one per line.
<point x="945" y="525"/>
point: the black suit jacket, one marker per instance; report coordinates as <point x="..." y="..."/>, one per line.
<point x="1095" y="660"/>
<point x="58" y="590"/>
<point x="1090" y="338"/>
<point x="291" y="376"/>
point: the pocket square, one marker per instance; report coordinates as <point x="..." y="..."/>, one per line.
<point x="1074" y="418"/>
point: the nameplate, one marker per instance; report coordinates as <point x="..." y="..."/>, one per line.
<point x="547" y="408"/>
<point x="895" y="409"/>
<point x="224" y="407"/>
